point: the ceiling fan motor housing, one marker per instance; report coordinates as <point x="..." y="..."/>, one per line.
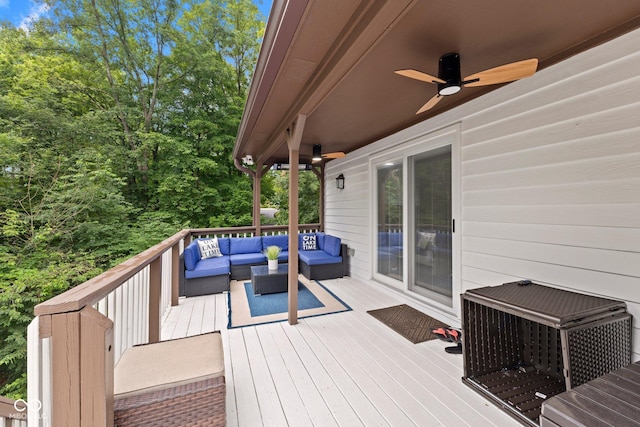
<point x="449" y="71"/>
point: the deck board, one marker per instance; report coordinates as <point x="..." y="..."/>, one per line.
<point x="318" y="413"/>
<point x="346" y="369"/>
<point x="341" y="411"/>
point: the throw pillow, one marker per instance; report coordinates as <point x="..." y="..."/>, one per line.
<point x="209" y="248"/>
<point x="309" y="242"/>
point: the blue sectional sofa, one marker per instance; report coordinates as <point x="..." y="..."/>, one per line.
<point x="325" y="260"/>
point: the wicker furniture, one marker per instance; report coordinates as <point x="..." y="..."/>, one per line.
<point x="265" y="281"/>
<point x="239" y="254"/>
<point x="178" y="383"/>
<point x="326" y="271"/>
<point x="613" y="399"/>
<point x="525" y="342"/>
<point x="201" y="285"/>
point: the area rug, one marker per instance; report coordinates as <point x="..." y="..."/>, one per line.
<point x="247" y="309"/>
<point x="412" y="324"/>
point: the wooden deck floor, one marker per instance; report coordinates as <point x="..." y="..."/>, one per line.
<point x="344" y="369"/>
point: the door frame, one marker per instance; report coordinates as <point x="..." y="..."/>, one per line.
<point x="404" y="150"/>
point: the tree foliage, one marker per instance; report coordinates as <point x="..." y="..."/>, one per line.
<point x="308" y="197"/>
<point x="117" y="125"/>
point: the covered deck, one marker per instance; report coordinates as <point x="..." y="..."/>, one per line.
<point x="340" y="369"/>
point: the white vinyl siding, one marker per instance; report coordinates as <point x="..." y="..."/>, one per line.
<point x="550" y="180"/>
<point x="347" y="214"/>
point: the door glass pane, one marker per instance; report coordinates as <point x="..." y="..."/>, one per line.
<point x="432" y="225"/>
<point x="389" y="179"/>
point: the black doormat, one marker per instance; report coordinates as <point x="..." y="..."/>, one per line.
<point x="412" y="324"/>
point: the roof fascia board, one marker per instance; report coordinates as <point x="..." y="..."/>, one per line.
<point x="284" y="20"/>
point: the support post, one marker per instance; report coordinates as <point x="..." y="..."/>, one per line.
<point x="155" y="291"/>
<point x="175" y="274"/>
<point x="256" y="177"/>
<point x="294" y="137"/>
<point x="318" y="171"/>
<point x="257" y="191"/>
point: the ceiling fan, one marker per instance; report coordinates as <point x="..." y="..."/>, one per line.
<point x="449" y="81"/>
<point x="317" y="155"/>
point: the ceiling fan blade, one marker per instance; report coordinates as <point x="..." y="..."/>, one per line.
<point x="419" y="75"/>
<point x="335" y="155"/>
<point x="502" y="74"/>
<point x="430" y="103"/>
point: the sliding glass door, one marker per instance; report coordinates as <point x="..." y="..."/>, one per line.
<point x="415" y="199"/>
<point x="431" y="225"/>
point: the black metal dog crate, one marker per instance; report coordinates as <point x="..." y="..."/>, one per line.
<point x="525" y="342"/>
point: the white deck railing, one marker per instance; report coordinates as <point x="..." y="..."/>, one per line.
<point x="77" y="337"/>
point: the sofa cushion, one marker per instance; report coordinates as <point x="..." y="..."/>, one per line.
<point x="209" y="267"/>
<point x="320" y="240"/>
<point x="281" y="240"/>
<point x="307" y="242"/>
<point x="191" y="256"/>
<point x="284" y="256"/>
<point x="152" y="367"/>
<point x="209" y="248"/>
<point x="318" y="257"/>
<point x="332" y="245"/>
<point x="245" y="245"/>
<point x="225" y="245"/>
<point x="244" y="259"/>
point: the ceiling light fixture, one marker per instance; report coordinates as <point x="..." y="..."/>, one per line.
<point x="317" y="153"/>
<point x="449" y="71"/>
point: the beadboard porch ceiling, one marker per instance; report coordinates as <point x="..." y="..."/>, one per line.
<point x="333" y="61"/>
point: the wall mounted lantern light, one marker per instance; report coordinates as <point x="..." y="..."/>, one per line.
<point x="340" y="182"/>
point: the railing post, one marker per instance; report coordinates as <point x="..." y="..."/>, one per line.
<point x="65" y="375"/>
<point x="155" y="294"/>
<point x="82" y="369"/>
<point x="96" y="370"/>
<point x="175" y="279"/>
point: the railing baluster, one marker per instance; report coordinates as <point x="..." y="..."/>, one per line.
<point x="117" y="336"/>
<point x="131" y="312"/>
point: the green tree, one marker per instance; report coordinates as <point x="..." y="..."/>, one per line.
<point x="117" y="125"/>
<point x="308" y="197"/>
<point x="216" y="50"/>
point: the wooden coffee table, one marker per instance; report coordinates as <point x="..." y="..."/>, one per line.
<point x="265" y="281"/>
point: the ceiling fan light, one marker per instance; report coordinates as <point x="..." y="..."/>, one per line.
<point x="317" y="153"/>
<point x="449" y="90"/>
